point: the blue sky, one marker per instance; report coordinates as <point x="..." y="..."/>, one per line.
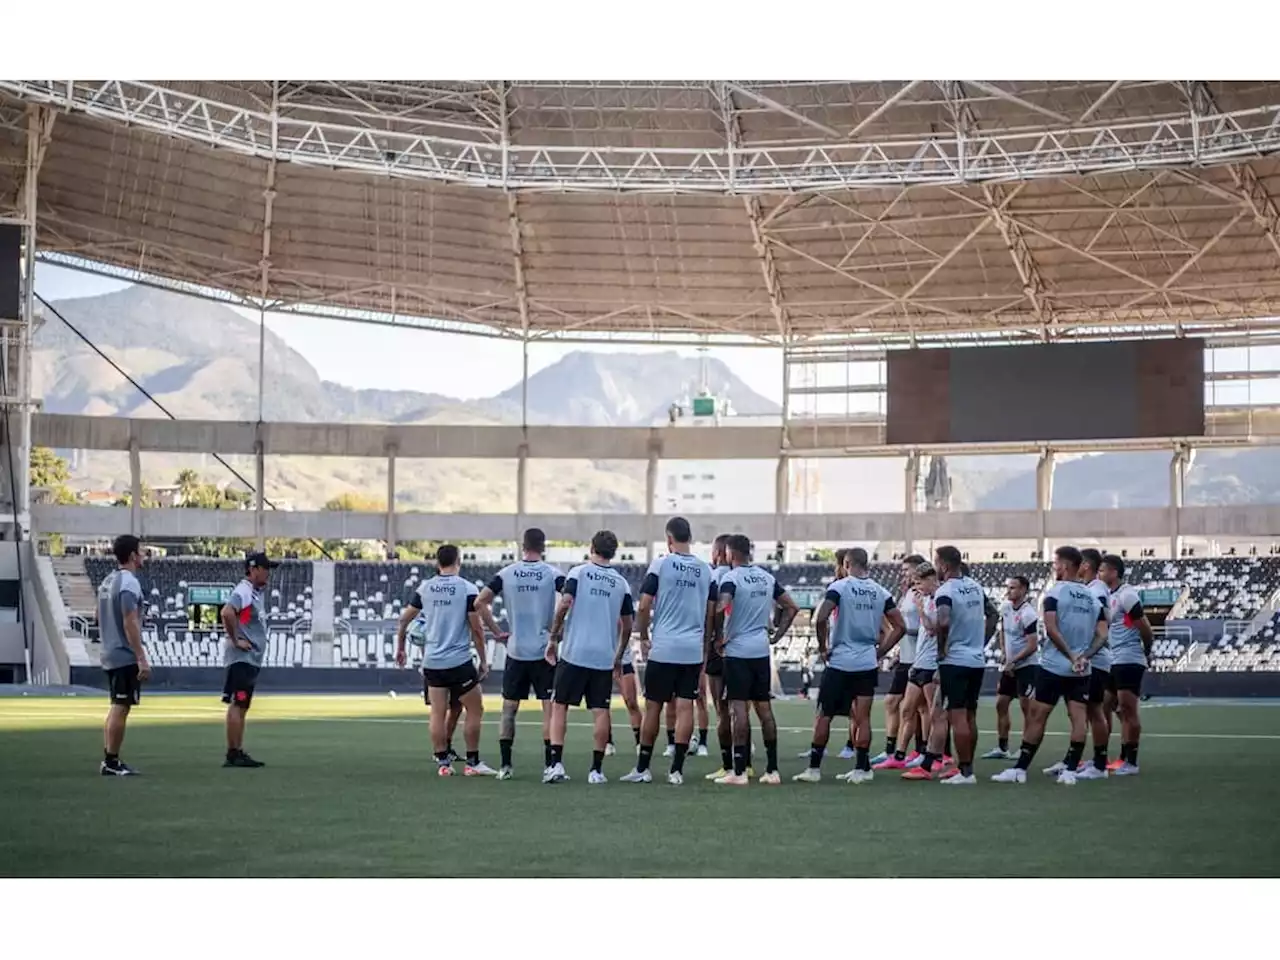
<point x="357" y="355"/>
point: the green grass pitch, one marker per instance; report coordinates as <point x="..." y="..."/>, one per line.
<point x="350" y="790"/>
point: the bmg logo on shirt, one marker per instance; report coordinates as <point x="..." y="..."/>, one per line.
<point x="527" y="574"/>
<point x="449" y="588"/>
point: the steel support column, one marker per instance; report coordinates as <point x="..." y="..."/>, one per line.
<point x="259" y="472"/>
<point x="1044" y="497"/>
<point x="781" y="501"/>
<point x="1179" y="464"/>
<point x="522" y="490"/>
<point x="135" y="488"/>
<point x="650" y="494"/>
<point x="391" y="500"/>
<point x="39" y="128"/>
<point x="268" y="209"/>
<point x="911" y="479"/>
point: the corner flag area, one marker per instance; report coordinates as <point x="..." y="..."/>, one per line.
<point x="350" y="789"/>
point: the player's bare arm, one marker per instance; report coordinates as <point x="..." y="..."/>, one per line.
<point x="557" y="628"/>
<point x="644" y="618"/>
<point x="477" y="638"/>
<point x="1055" y="637"/>
<point x="625" y="624"/>
<point x="484" y="607"/>
<point x="722" y="607"/>
<point x="1100" y="634"/>
<point x="942" y="628"/>
<point x="1032" y="636"/>
<point x="406" y="617"/>
<point x="133" y="634"/>
<point x="709" y="633"/>
<point x="897" y="628"/>
<point x="1144" y="631"/>
<point x="231" y="624"/>
<point x="786" y="611"/>
<point x="822" y="627"/>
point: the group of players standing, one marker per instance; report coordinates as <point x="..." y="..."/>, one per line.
<point x="1096" y="643"/>
<point x="708" y="628"/>
<point x="702" y="630"/>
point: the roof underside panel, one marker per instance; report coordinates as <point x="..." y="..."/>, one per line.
<point x="467" y="205"/>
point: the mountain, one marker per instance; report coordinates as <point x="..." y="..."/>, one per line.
<point x="199" y="359"/>
<point x="1141" y="479"/>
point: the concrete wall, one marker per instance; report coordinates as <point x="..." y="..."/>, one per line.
<point x="802" y="438"/>
<point x="1257" y="522"/>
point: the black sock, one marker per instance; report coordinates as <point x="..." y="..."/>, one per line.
<point x="815" y="756"/>
<point x="946" y="751"/>
<point x="1133" y="754"/>
<point x="597" y="760"/>
<point x="899" y="754"/>
<point x="1074" y="752"/>
<point x="702" y="736"/>
<point x="557" y="753"/>
<point x="112" y="758"/>
<point x="677" y="763"/>
<point x="966" y="769"/>
<point x="449" y="747"/>
<point x="848" y="744"/>
<point x="671" y="738"/>
<point x="726" y="758"/>
<point x="442" y="756"/>
<point x="504" y="751"/>
<point x="1027" y="753"/>
<point x="233" y="752"/>
<point x="635" y="732"/>
<point x="473" y="758"/>
<point x="643" y="758"/>
<point x="610" y="740"/>
<point x="1004" y="744"/>
<point x="771" y="756"/>
<point x="1124" y="752"/>
<point x="929" y="760"/>
<point x="920" y="744"/>
<point x="863" y="761"/>
<point x="1100" y="757"/>
<point x="740" y="752"/>
<point x="546" y="753"/>
<point x="890" y="745"/>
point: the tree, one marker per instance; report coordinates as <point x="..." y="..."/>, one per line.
<point x="48" y="469"/>
<point x="126" y="498"/>
<point x="356" y="503"/>
<point x="187" y="481"/>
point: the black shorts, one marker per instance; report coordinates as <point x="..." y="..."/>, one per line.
<point x="747" y="678"/>
<point x="839" y="688"/>
<point x="628" y="669"/>
<point x="921" y="676"/>
<point x="238" y="687"/>
<point x="901" y="676"/>
<point x="664" y="682"/>
<point x="1050" y="688"/>
<point x="715" y="664"/>
<point x="1127" y="677"/>
<point x="123" y="685"/>
<point x="1099" y="684"/>
<point x="520" y="677"/>
<point x="961" y="686"/>
<point x="1020" y="683"/>
<point x="459" y="681"/>
<point x="574" y="683"/>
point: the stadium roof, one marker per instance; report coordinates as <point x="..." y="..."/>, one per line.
<point x="810" y="213"/>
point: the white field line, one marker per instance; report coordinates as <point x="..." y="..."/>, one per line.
<point x="160" y="717"/>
